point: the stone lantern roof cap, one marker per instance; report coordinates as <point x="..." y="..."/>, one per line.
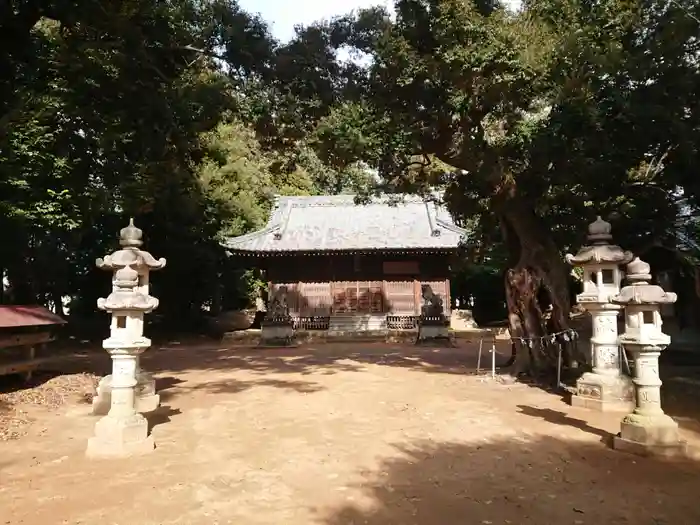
<point x="599" y="248"/>
<point x="130" y="254"/>
<point x="599" y="231"/>
<point x="638" y="271"/>
<point x="131" y="236"/>
<point x="639" y="291"/>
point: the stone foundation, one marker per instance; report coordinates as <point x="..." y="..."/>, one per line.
<point x="433" y="328"/>
<point x="344" y="324"/>
<point x="429" y="333"/>
<point x="301" y="337"/>
<point x="277" y="334"/>
<point x="678" y="450"/>
<point x="650" y="436"/>
<point x="120" y="437"/>
<point x="604" y="393"/>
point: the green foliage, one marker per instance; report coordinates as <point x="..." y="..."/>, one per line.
<point x="575" y="108"/>
<point x="139" y="109"/>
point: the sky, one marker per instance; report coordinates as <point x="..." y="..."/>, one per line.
<point x="283" y="15"/>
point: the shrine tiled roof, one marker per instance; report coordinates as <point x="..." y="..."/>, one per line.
<point x="337" y="223"/>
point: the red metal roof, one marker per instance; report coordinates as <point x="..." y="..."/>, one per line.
<point x="14" y="316"/>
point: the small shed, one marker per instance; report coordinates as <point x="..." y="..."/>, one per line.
<point x="357" y="266"/>
<point x="25" y="329"/>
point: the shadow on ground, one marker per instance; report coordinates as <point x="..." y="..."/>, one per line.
<point x="560" y="418"/>
<point x="520" y="482"/>
<point x="326" y="358"/>
<point x="231" y="386"/>
<point x="163" y="414"/>
<point x="323" y="359"/>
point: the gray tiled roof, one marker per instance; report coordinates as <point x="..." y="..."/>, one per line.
<point x="337" y="223"/>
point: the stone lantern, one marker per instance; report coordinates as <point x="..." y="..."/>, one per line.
<point x="146" y="399"/>
<point x="124" y="431"/>
<point x="605" y="388"/>
<point x="647" y="430"/>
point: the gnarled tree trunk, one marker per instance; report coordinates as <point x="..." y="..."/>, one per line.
<point x="536" y="266"/>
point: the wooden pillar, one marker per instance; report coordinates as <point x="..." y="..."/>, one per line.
<point x="30" y="357"/>
<point x="447" y="306"/>
<point x="385" y="299"/>
<point x="417" y="295"/>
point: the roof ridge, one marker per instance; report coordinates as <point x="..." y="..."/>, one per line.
<point x="392" y="221"/>
<point x="349" y="200"/>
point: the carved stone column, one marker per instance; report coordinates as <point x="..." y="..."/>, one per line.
<point x="605" y="387"/>
<point x="604" y="343"/>
<point x="647" y="430"/>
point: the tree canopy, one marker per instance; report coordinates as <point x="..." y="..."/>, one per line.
<point x="533" y="121"/>
<point x="140" y="109"/>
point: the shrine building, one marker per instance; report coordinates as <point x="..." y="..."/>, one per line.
<point x="344" y="266"/>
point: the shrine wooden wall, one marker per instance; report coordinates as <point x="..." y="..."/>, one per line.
<point x="326" y="285"/>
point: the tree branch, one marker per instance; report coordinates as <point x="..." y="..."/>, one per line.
<point x="203" y="52"/>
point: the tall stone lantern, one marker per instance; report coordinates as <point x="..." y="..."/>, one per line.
<point x="146" y="399"/>
<point x="605" y="388"/>
<point x="647" y="430"/>
<point x="124" y="431"/>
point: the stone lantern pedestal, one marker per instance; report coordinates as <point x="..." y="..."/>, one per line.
<point x="146" y="399"/>
<point x="123" y="431"/>
<point x="605" y="388"/>
<point x="647" y="430"/>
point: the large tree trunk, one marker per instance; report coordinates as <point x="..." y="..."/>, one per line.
<point x="536" y="266"/>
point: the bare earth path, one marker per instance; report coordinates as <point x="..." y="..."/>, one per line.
<point x="294" y="437"/>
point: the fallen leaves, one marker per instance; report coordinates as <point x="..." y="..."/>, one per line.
<point x="51" y="393"/>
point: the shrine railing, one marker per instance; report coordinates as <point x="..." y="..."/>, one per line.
<point x="312" y="323"/>
<point x="401" y="322"/>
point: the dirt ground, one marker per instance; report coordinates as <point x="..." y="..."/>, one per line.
<point x="342" y="435"/>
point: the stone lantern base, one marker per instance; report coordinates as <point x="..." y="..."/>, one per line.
<point x="120" y="437"/>
<point x="650" y="435"/>
<point x="146" y="400"/>
<point x="604" y="393"/>
<point x="277" y="331"/>
<point x="433" y="329"/>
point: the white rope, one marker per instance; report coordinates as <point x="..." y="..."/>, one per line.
<point x="567" y="335"/>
